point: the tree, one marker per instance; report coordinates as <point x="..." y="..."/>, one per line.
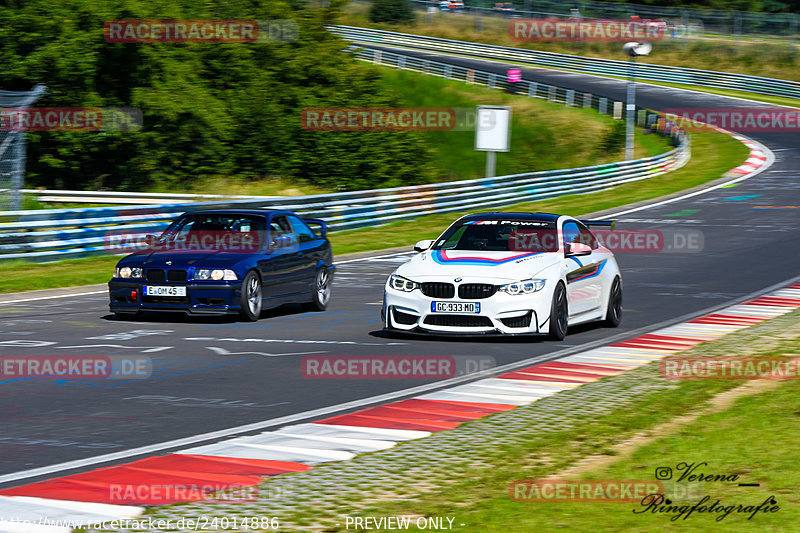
<point x="393" y="11"/>
<point x="211" y="110"/>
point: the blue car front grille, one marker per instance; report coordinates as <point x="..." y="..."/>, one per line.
<point x="173" y="275"/>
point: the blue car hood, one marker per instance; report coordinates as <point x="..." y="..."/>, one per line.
<point x="193" y="258"/>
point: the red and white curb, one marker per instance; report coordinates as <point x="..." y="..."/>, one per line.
<point x="117" y="492"/>
<point x="755" y="161"/>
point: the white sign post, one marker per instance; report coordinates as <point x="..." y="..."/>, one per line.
<point x="492" y="133"/>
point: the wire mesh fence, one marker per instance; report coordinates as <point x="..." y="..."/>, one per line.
<point x="12" y="148"/>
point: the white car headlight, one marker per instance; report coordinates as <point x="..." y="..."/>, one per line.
<point x="400" y="283"/>
<point x="525" y="286"/>
<point x="127" y="272"/>
<point x="216" y="274"/>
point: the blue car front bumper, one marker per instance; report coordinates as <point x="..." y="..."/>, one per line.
<point x="218" y="298"/>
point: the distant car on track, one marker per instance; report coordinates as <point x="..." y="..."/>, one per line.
<point x="506" y="273"/>
<point x="227" y="261"/>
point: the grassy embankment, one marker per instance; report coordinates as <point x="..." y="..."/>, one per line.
<point x="539" y="127"/>
<point x="755" y="57"/>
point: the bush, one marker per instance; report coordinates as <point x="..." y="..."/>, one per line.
<point x="614" y="139"/>
<point x="392" y="11"/>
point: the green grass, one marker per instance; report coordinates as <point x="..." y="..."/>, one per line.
<point x="274" y="186"/>
<point x="20" y="275"/>
<point x="544" y="135"/>
<point x="757" y="438"/>
<point x="712" y="154"/>
<point x="777" y="100"/>
<point x="772" y="60"/>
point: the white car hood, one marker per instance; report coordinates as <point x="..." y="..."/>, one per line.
<point x="435" y="265"/>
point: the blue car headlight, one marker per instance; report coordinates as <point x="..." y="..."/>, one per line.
<point x="128" y="272"/>
<point x="215" y="274"/>
<point x="399" y="283"/>
<point x="525" y="286"/>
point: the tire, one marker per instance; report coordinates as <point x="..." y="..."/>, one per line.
<point x="558" y="314"/>
<point x="321" y="292"/>
<point x="251" y="298"/>
<point x="614" y="309"/>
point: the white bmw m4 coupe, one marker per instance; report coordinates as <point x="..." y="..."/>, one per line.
<point x="506" y="273"/>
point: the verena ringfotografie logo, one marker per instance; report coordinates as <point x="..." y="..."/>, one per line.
<point x="547" y="30"/>
<point x="393" y="367"/>
<point x="199" y="31"/>
<point x="737" y="368"/>
<point x="756" y="119"/>
<point x="70" y="119"/>
<point x="565" y="490"/>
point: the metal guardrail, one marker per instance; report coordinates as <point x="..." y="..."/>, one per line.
<point x="722" y="22"/>
<point x="585" y="65"/>
<point x="63" y="233"/>
<point x="129" y="198"/>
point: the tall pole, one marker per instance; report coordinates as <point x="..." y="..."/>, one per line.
<point x="490" y="162"/>
<point x="630" y="106"/>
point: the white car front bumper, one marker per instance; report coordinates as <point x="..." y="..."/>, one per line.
<point x="499" y="313"/>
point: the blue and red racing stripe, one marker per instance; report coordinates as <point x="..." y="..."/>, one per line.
<point x="440" y="256"/>
<point x="589" y="271"/>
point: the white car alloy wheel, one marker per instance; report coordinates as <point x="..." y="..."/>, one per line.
<point x="505" y="274"/>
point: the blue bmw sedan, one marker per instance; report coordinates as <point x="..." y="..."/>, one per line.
<point x="226" y="262"/>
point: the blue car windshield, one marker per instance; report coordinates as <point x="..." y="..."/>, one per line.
<point x="501" y="235"/>
<point x="216" y="231"/>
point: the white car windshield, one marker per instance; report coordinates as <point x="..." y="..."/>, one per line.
<point x="501" y="235"/>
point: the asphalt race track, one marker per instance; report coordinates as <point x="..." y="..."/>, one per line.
<point x="214" y="374"/>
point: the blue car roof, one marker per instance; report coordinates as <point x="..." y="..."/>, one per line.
<point x="261" y="212"/>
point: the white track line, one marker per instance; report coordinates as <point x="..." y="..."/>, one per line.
<point x="770" y="160"/>
<point x="51" y="297"/>
<point x="382" y="398"/>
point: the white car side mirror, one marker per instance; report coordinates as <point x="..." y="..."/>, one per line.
<point x="421" y="246"/>
<point x="578" y="248"/>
